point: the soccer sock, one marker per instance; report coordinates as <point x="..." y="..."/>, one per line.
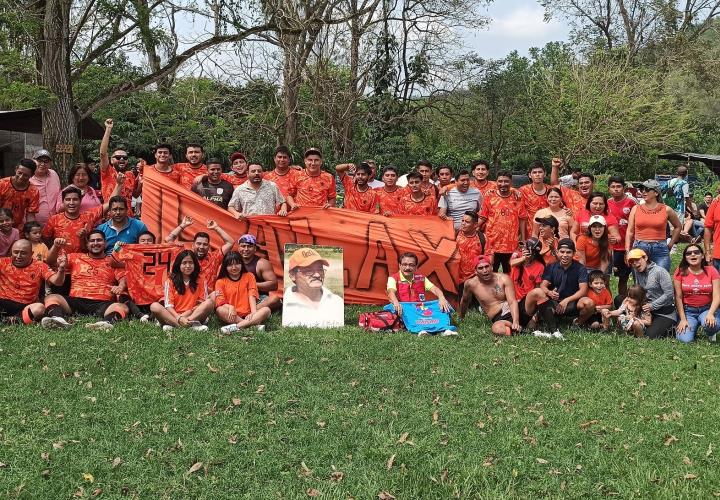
<point x="548" y="315"/>
<point x="55" y="310"/>
<point x="114" y="317"/>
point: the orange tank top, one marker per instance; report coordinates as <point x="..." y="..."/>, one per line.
<point x="650" y="225"/>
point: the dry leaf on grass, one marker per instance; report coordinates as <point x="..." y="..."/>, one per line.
<point x="390" y="461"/>
<point x="690" y="477"/>
<point x="236" y="401"/>
<point x="117" y="462"/>
<point x="669" y="440"/>
<point x="305" y="470"/>
<point x="403" y="437"/>
<point x="88" y="477"/>
<point x="195" y="467"/>
<point x="212" y="368"/>
<point x="435" y="417"/>
<point x="541" y="461"/>
<point x="687" y="461"/>
<point x="260" y="389"/>
<point x="312" y="492"/>
<point x="585" y="425"/>
<point x="337" y="476"/>
<point x="384" y="495"/>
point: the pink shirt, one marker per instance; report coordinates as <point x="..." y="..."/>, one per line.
<point x="49" y="189"/>
<point x="697" y="289"/>
<point x="7" y="240"/>
<point x="90" y="200"/>
<point x="621" y="210"/>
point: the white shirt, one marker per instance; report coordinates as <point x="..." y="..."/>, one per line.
<point x="330" y="311"/>
<point x="568" y="180"/>
<point x="375" y="184"/>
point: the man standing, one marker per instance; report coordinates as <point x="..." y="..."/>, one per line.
<point x="359" y="196"/>
<point x="503" y="218"/>
<point x="373" y="182"/>
<point x="257" y="196"/>
<point x="265" y="277"/>
<point x="20" y="280"/>
<point x="163" y="163"/>
<point x="47" y="182"/>
<point x="110" y="167"/>
<point x="94" y="288"/>
<point x="187" y="172"/>
<point x="389" y="197"/>
<point x="18" y="195"/>
<point x="620" y="205"/>
<point x="414" y="201"/>
<point x="535" y="193"/>
<point x="212" y="187"/>
<point x="480" y="170"/>
<point x="459" y="200"/>
<point x="313" y="187"/>
<point x="283" y="175"/>
<point x="238" y="169"/>
<point x="120" y="227"/>
<point x="496" y="295"/>
<point x="470" y="245"/>
<point x="680" y="189"/>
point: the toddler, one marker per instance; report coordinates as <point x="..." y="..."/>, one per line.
<point x="32" y="232"/>
<point x="630" y="316"/>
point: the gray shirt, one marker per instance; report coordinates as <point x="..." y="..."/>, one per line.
<point x="262" y="201"/>
<point x="457" y="203"/>
<point x="659" y="288"/>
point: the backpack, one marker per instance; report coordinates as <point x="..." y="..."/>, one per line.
<point x="380" y="321"/>
<point x="668" y="194"/>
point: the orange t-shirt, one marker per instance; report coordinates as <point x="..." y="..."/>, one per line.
<point x="712" y="222"/>
<point x="504" y="215"/>
<point x="61" y="226"/>
<point x="592" y="251"/>
<point x="284" y="182"/>
<point x="108" y="181"/>
<point x="22" y="284"/>
<point x="602" y="299"/>
<point x="390" y="202"/>
<point x="187" y="173"/>
<point x="146" y="269"/>
<point x="469" y="248"/>
<point x="533" y="201"/>
<point x="365" y="201"/>
<point x="210" y="267"/>
<point x="173" y="175"/>
<point x="573" y="200"/>
<point x="313" y="190"/>
<point x="92" y="278"/>
<point x="237" y="293"/>
<point x="186" y="301"/>
<point x="233" y="179"/>
<point x="19" y="202"/>
<point x="426" y="206"/>
<point x="485" y="188"/>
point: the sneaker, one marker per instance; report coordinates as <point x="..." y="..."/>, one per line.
<point x="167" y="328"/>
<point x="54" y="322"/>
<point x="200" y="328"/>
<point x="544" y="335"/>
<point x="228" y="329"/>
<point x="100" y="325"/>
<point x="449" y="333"/>
<point x="260" y="328"/>
<point x="712" y="338"/>
<point x="193" y="324"/>
<point x="557" y="335"/>
<point x="145" y="318"/>
<point x="423" y="333"/>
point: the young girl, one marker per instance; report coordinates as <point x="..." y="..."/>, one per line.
<point x="32" y="232"/>
<point x="186" y="297"/>
<point x="630" y="315"/>
<point x="593" y="248"/>
<point x="8" y="234"/>
<point x="237" y="296"/>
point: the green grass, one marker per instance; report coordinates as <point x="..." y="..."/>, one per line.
<point x="291" y="412"/>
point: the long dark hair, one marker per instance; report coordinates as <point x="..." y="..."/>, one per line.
<point x="559" y="192"/>
<point x="638" y="294"/>
<point x="535" y="247"/>
<point x="597" y="194"/>
<point x="684" y="265"/>
<point x="232" y="258"/>
<point x="603" y="242"/>
<point x="177" y="277"/>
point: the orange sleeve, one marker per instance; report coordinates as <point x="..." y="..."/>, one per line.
<point x="252" y="286"/>
<point x="33" y="200"/>
<point x="48" y="231"/>
<point x="220" y="299"/>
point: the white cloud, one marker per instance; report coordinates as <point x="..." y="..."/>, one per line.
<point x="525" y="22"/>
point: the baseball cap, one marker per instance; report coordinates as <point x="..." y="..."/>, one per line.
<point x="566" y="243"/>
<point x="652" y="184"/>
<point x="534" y="244"/>
<point x="40" y="153"/>
<point x="597" y="219"/>
<point x="248" y="238"/>
<point x="303" y="257"/>
<point x="636" y="253"/>
<point x="548" y="221"/>
<point x="312" y="151"/>
<point x="237" y="155"/>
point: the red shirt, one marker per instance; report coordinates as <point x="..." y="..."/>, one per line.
<point x="526" y="277"/>
<point x="108" y="181"/>
<point x="600" y="299"/>
<point x="533" y="201"/>
<point x="234" y="179"/>
<point x="173" y="175"/>
<point x="485" y="188"/>
<point x="712" y="222"/>
<point x="210" y="267"/>
<point x="313" y="190"/>
<point x="360" y="201"/>
<point x="503" y="215"/>
<point x="187" y="173"/>
<point x="573" y="200"/>
<point x="20" y="202"/>
<point x="284" y="182"/>
<point x="621" y="210"/>
<point x="469" y="248"/>
<point x="583" y="217"/>
<point x="92" y="278"/>
<point x="61" y="226"/>
<point x="390" y="202"/>
<point x="697" y="289"/>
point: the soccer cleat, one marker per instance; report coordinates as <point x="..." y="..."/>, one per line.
<point x="423" y="333"/>
<point x="557" y="335"/>
<point x="228" y="329"/>
<point x="449" y="333"/>
<point x="145" y="318"/>
<point x="544" y="335"/>
<point x="54" y="322"/>
<point x="260" y="328"/>
<point x="200" y="328"/>
<point x="167" y="328"/>
<point x="100" y="325"/>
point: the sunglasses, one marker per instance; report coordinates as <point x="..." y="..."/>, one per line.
<point x="120" y="157"/>
<point x="693" y="252"/>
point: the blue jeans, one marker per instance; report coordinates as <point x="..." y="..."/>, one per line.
<point x="716" y="264"/>
<point x="695" y="317"/>
<point x="657" y="252"/>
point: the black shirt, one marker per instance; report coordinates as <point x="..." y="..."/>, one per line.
<point x="566" y="282"/>
<point x="219" y="194"/>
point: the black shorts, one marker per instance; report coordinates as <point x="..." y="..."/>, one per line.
<point x="622" y="270"/>
<point x="571" y="311"/>
<point x="90" y="307"/>
<point x="524" y="316"/>
<point x="11" y="308"/>
<point x="502" y="317"/>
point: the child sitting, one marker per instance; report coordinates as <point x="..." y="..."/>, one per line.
<point x="237" y="296"/>
<point x="8" y="234"/>
<point x="630" y="316"/>
<point x="33" y="234"/>
<point x="600" y="295"/>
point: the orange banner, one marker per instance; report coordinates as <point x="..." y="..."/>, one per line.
<point x="371" y="243"/>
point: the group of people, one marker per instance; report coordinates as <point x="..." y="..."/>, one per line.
<point x="556" y="243"/>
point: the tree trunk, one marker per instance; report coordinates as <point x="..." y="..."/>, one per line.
<point x="60" y="119"/>
<point x="291" y="91"/>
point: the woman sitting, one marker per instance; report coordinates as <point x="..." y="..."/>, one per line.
<point x="527" y="267"/>
<point x="659" y="288"/>
<point x="697" y="295"/>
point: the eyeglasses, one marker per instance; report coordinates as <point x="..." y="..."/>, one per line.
<point x="693" y="252"/>
<point x="310" y="271"/>
<point x="120" y="157"/>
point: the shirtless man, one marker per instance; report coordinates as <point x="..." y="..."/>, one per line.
<point x="265" y="278"/>
<point x="496" y="295"/>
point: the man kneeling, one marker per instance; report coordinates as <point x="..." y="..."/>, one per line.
<point x="93" y="286"/>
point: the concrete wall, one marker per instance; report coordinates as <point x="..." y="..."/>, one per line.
<point x="14" y="146"/>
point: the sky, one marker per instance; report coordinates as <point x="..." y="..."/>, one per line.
<point x="516" y="25"/>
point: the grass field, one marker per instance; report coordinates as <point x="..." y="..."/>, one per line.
<point x="343" y="413"/>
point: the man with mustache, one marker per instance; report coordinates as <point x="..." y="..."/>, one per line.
<point x="212" y="187"/>
<point x="575" y="201"/>
<point x="111" y="166"/>
<point x="257" y="196"/>
<point x="194" y="167"/>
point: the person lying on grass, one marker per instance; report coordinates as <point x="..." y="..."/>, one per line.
<point x="186" y="300"/>
<point x="237" y="296"/>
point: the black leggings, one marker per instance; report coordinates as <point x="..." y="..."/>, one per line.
<point x="660" y="327"/>
<point x="504" y="259"/>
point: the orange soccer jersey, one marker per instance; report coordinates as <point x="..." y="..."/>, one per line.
<point x="173" y="175"/>
<point x="237" y="293"/>
<point x="234" y="179"/>
<point x="573" y="200"/>
<point x="146" y="268"/>
<point x="183" y="302"/>
<point x="503" y="215"/>
<point x="92" y="278"/>
<point x="108" y="181"/>
<point x="187" y="173"/>
<point x="210" y="267"/>
<point x="486" y="187"/>
<point x="533" y="201"/>
<point x="360" y="201"/>
<point x="22" y="284"/>
<point x="284" y="182"/>
<point x="313" y="190"/>
<point x="390" y="201"/>
<point x="61" y="226"/>
<point x="426" y="206"/>
<point x="469" y="247"/>
<point x="19" y="202"/>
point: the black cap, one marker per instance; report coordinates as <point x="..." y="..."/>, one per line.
<point x="548" y="221"/>
<point x="566" y="243"/>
